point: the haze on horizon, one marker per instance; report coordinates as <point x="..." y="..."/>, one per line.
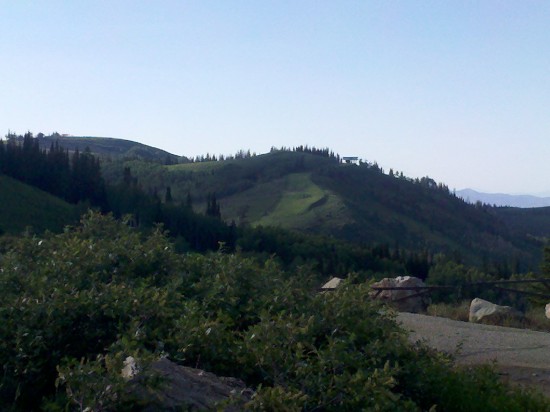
<point x="458" y="91"/>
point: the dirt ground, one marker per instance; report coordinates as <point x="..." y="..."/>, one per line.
<point x="522" y="356"/>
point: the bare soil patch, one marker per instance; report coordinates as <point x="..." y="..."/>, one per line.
<point x="521" y="356"/>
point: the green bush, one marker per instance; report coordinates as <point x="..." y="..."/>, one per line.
<point x="75" y="305"/>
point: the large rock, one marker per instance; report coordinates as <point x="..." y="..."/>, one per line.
<point x="404" y="300"/>
<point x="184" y="388"/>
<point x="548" y="310"/>
<point x="485" y="311"/>
<point x="130" y="368"/>
<point x="332" y="284"/>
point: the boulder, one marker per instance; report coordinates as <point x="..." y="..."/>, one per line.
<point x="190" y="389"/>
<point x="548" y="310"/>
<point x="130" y="368"/>
<point x="332" y="284"/>
<point x="404" y="300"/>
<point x="485" y="311"/>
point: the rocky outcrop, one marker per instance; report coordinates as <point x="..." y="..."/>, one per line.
<point x="548" y="310"/>
<point x="404" y="300"/>
<point x="487" y="312"/>
<point x="184" y="388"/>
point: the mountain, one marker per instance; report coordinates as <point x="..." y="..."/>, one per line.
<point x="107" y="147"/>
<point x="317" y="194"/>
<point x="311" y="191"/>
<point x="500" y="199"/>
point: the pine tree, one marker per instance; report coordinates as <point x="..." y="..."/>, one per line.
<point x="168" y="195"/>
<point x="212" y="207"/>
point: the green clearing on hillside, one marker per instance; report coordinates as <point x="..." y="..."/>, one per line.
<point x="25" y="206"/>
<point x="292" y="201"/>
<point x="303" y="205"/>
<point x="195" y="167"/>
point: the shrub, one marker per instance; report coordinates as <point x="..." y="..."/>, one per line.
<point x="75" y="305"/>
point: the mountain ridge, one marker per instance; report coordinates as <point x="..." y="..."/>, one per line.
<point x="503" y="199"/>
<point x="106" y="147"/>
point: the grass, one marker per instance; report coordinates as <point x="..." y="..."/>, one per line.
<point x="534" y="318"/>
<point x="195" y="167"/>
<point x="251" y="205"/>
<point x="298" y="195"/>
<point x="293" y="201"/>
<point x="25" y="206"/>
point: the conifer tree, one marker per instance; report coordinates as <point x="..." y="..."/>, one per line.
<point x="212" y="207"/>
<point x="168" y="195"/>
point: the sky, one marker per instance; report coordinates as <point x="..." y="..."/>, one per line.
<point x="455" y="90"/>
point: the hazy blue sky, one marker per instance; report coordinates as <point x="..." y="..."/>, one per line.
<point x="457" y="90"/>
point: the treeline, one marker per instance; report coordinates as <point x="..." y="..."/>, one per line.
<point x="241" y="154"/>
<point x="324" y="152"/>
<point x="246" y="154"/>
<point x="191" y="231"/>
<point x="74" y="177"/>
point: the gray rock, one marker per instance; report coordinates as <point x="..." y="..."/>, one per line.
<point x="130" y="368"/>
<point x="184" y="388"/>
<point x="404" y="300"/>
<point x="485" y="311"/>
<point x="332" y="284"/>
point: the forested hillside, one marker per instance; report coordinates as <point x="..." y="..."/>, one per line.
<point x="314" y="192"/>
<point x="76" y="177"/>
<point x="220" y="199"/>
<point x="73" y="177"/>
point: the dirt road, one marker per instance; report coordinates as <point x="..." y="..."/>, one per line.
<point x="522" y="356"/>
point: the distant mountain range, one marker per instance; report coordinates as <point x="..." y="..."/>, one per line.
<point x="501" y="199"/>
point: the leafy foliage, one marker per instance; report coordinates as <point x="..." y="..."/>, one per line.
<point x="541" y="290"/>
<point x="77" y="304"/>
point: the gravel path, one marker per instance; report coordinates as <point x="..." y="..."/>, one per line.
<point x="522" y="356"/>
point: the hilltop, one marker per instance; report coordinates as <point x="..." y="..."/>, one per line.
<point x="106" y="147"/>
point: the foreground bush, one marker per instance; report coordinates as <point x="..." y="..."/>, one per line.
<point x="74" y="306"/>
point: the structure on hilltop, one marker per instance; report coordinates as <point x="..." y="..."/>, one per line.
<point x="351" y="159"/>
